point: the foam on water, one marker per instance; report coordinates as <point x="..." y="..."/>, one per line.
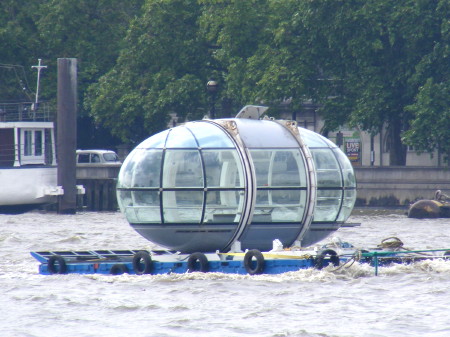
<point x="406" y="300"/>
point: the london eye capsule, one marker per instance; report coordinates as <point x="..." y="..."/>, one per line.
<point x="206" y="185"/>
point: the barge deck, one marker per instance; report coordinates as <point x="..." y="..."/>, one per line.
<point x="252" y="262"/>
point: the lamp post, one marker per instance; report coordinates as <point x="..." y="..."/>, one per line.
<point x="212" y="87"/>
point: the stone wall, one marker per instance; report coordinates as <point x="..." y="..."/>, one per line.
<point x="99" y="182"/>
<point x="377" y="186"/>
<point x="394" y="186"/>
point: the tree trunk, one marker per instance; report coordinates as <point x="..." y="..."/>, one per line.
<point x="397" y="153"/>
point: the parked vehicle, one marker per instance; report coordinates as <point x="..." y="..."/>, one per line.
<point x="97" y="157"/>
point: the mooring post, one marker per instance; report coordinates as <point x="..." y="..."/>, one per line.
<point x="375" y="255"/>
<point x="67" y="134"/>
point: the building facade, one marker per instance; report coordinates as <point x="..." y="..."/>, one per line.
<point x="359" y="146"/>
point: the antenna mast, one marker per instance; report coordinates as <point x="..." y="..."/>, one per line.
<point x="39" y="67"/>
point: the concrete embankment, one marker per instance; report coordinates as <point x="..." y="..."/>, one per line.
<point x="377" y="186"/>
<point x="100" y="186"/>
<point x="395" y="186"/>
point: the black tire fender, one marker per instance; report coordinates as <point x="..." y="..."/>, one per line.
<point x="56" y="264"/>
<point x="201" y="259"/>
<point x="118" y="269"/>
<point x="249" y="263"/>
<point x="142" y="263"/>
<point x="334" y="258"/>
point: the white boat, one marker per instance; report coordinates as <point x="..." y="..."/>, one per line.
<point x="28" y="170"/>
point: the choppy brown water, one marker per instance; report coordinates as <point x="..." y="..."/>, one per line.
<point x="402" y="301"/>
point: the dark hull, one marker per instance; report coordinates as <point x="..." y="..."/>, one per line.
<point x="18" y="209"/>
<point x="424" y="209"/>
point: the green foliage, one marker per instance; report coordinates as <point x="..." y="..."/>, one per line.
<point x="367" y="63"/>
<point x="378" y="44"/>
<point x="90" y="30"/>
<point x="19" y="42"/>
<point x="234" y="31"/>
<point x="430" y="126"/>
<point x="430" y="129"/>
<point x="159" y="71"/>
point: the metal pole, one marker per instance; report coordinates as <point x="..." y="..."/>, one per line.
<point x="375" y="255"/>
<point x="67" y="134"/>
<point x="39" y="68"/>
<point x="212" y="87"/>
<point x="372" y="151"/>
<point x="213" y="105"/>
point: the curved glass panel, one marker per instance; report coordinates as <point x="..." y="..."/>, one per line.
<point x="279" y="167"/>
<point x="347" y="205"/>
<point x="280" y="174"/>
<point x="328" y="178"/>
<point x="225" y="175"/>
<point x="261" y="161"/>
<point x="311" y="138"/>
<point x="140" y="206"/>
<point x="124" y="199"/>
<point x="327" y="206"/>
<point x="182" y="206"/>
<point x="347" y="168"/>
<point x="155" y="141"/>
<point x="126" y="171"/>
<point x="223" y="169"/>
<point x="288" y="169"/>
<point x="349" y="182"/>
<point x="145" y="198"/>
<point x="180" y="137"/>
<point x="329" y="142"/>
<point x="146" y="207"/>
<point x="289" y="205"/>
<point x="224" y="206"/>
<point x="143" y="214"/>
<point x="265" y="134"/>
<point x="324" y="159"/>
<point x="328" y="171"/>
<point x="142" y="170"/>
<point x="182" y="168"/>
<point x="147" y="168"/>
<point x="209" y="136"/>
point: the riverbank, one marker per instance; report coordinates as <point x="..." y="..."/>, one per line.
<point x="399" y="186"/>
<point x="390" y="186"/>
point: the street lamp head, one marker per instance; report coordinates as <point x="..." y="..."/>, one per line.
<point x="212" y="86"/>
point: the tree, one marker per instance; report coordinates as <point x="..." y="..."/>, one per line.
<point x="18" y="41"/>
<point x="358" y="59"/>
<point x="91" y="31"/>
<point x="160" y="70"/>
<point x="234" y="31"/>
<point x="384" y="41"/>
<point x="363" y="61"/>
<point x="430" y="127"/>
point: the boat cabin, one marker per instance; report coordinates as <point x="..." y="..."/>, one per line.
<point x="26" y="136"/>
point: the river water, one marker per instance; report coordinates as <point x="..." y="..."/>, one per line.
<point x="403" y="300"/>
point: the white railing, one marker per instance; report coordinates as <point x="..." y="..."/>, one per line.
<point x="24" y="111"/>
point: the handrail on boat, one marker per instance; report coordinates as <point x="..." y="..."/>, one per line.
<point x="25" y="111"/>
